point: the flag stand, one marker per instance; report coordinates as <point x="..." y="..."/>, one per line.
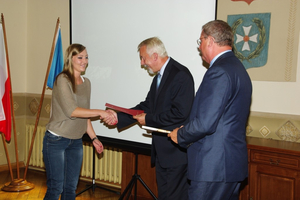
<point x="16" y="185"/>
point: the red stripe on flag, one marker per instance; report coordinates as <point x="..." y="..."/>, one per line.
<point x="5" y="89"/>
<point x="5" y="125"/>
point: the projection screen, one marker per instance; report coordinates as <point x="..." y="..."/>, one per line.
<point x="111" y="31"/>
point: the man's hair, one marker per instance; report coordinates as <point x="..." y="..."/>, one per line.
<point x="154" y="45"/>
<point x="220" y="31"/>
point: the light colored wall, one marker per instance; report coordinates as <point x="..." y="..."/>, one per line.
<point x="15" y="16"/>
<point x="281" y="97"/>
<point x="41" y="21"/>
<point x="30" y="26"/>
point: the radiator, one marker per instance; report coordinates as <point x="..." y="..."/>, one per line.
<point x="108" y="165"/>
<point x="36" y="159"/>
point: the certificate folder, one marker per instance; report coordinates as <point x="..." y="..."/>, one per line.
<point x="124" y="110"/>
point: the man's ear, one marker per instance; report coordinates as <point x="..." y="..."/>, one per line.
<point x="155" y="56"/>
<point x="211" y="40"/>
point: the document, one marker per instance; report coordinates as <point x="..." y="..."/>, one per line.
<point x="155" y="129"/>
<point x="124" y="110"/>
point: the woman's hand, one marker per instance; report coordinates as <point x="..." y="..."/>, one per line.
<point x="98" y="145"/>
<point x="110" y="117"/>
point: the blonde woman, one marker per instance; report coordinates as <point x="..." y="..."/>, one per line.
<point x="62" y="145"/>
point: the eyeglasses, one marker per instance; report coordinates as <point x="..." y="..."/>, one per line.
<point x="199" y="40"/>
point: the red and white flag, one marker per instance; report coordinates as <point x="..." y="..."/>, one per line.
<point x="5" y="88"/>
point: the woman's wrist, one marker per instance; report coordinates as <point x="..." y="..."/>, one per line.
<point x="95" y="138"/>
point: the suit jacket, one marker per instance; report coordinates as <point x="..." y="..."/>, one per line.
<point x="166" y="108"/>
<point x="216" y="133"/>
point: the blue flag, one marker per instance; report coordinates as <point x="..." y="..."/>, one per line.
<point x="57" y="61"/>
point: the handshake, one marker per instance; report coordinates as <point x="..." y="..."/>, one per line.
<point x="109" y="117"/>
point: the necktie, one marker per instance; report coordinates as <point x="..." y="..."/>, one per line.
<point x="158" y="80"/>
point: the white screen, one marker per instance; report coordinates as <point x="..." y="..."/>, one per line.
<point x="111" y="31"/>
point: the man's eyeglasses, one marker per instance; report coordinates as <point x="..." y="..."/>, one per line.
<point x="199" y="40"/>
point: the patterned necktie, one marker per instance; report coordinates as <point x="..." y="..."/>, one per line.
<point x="158" y="80"/>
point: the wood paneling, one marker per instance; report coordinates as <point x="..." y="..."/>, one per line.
<point x="144" y="171"/>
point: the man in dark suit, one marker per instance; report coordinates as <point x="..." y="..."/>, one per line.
<point x="215" y="136"/>
<point x="166" y="106"/>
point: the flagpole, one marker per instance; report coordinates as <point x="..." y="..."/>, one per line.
<point x="6" y="54"/>
<point x="7" y="157"/>
<point x="42" y="98"/>
<point x="16" y="184"/>
<point x="11" y="96"/>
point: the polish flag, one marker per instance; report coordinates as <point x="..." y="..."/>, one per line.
<point x="5" y="89"/>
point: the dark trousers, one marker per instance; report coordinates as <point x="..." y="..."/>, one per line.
<point x="214" y="190"/>
<point x="172" y="182"/>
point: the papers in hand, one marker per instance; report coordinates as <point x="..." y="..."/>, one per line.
<point x="155" y="129"/>
<point x="124" y="110"/>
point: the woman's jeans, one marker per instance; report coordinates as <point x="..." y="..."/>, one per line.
<point x="63" y="160"/>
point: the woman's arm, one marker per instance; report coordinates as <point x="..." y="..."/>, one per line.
<point x="96" y="142"/>
<point x="86" y="113"/>
<point x="108" y="117"/>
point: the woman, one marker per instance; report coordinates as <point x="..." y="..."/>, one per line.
<point x="62" y="145"/>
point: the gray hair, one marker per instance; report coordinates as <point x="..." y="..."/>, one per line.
<point x="154" y="45"/>
<point x="220" y="31"/>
